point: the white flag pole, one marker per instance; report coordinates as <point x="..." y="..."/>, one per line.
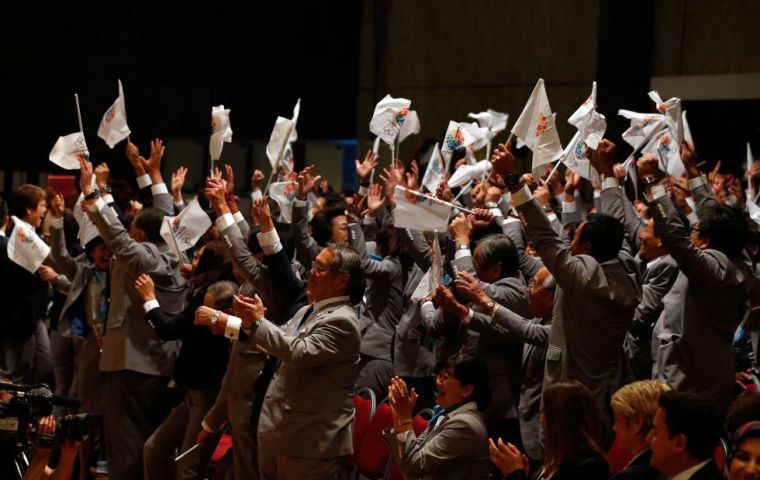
<point x="437" y="200"/>
<point x="121" y="94"/>
<point x="79" y="114"/>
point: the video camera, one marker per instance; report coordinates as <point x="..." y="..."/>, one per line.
<point x="28" y="405"/>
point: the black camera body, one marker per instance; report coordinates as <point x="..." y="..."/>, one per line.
<point x="28" y="405"/>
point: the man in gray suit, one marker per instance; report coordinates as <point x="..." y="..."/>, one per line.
<point x="135" y="362"/>
<point x="709" y="297"/>
<point x="305" y="428"/>
<point x="598" y="288"/>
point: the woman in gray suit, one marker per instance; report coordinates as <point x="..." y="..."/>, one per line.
<point x="455" y="443"/>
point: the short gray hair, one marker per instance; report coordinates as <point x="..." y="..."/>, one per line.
<point x="223" y="291"/>
<point x="550" y="283"/>
<point x="347" y="260"/>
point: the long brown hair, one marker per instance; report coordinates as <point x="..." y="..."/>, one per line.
<point x="571" y="422"/>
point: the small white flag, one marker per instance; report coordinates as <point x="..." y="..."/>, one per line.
<point x="591" y="126"/>
<point x="187" y="228"/>
<point x="388" y="118"/>
<point x="284" y="193"/>
<point x="87" y="232"/>
<point x="754" y="210"/>
<point x="467" y="173"/>
<point x="495" y="121"/>
<point x="278" y="140"/>
<point x="536" y="128"/>
<point x="672" y="111"/>
<point x="221" y="131"/>
<point x="67" y="149"/>
<point x="479" y="135"/>
<point x="411" y="126"/>
<point x="113" y="127"/>
<point x="296" y="112"/>
<point x="456" y="137"/>
<point x="664" y="146"/>
<point x="643" y="126"/>
<point x="435" y="171"/>
<point x="25" y="247"/>
<point x="417" y="211"/>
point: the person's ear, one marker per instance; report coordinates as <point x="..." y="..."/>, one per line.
<point x="680" y="442"/>
<point x="467" y="392"/>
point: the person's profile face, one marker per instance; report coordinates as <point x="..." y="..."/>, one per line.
<point x="745" y="464"/>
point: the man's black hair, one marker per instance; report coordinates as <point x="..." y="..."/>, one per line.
<point x="696" y="417"/>
<point x="605" y="233"/>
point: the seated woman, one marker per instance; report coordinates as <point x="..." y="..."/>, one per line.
<point x="455" y="443"/>
<point x="744" y="458"/>
<point x="572" y="445"/>
<point x="634" y="407"/>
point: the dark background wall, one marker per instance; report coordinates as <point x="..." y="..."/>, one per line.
<point x="449" y="57"/>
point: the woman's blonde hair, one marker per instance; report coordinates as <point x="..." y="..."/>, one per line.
<point x="639" y="398"/>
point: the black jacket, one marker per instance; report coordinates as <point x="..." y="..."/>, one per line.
<point x="640" y="469"/>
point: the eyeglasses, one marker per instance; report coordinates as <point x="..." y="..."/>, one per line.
<point x="317" y="268"/>
<point x="444" y="375"/>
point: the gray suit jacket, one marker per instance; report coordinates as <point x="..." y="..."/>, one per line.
<point x="414" y="353"/>
<point x="535" y="333"/>
<point x="457" y="448"/>
<point x="306" y="247"/>
<point x="593" y="308"/>
<point x="308" y="410"/>
<point x="384" y="298"/>
<point x="692" y="339"/>
<point x="130" y="343"/>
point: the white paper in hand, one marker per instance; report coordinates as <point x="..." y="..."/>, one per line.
<point x="467" y="173"/>
<point x="435" y="171"/>
<point x="536" y="128"/>
<point x="25" y="247"/>
<point x="221" y="131"/>
<point x="417" y="211"/>
<point x="67" y="149"/>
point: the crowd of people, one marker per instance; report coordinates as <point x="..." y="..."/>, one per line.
<point x="573" y="322"/>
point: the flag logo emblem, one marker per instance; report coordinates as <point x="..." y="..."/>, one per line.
<point x="454" y="139"/>
<point x="109" y="115"/>
<point x="541" y="124"/>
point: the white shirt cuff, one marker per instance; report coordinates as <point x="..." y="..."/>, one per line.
<point x="363" y="190"/>
<point x="108" y="198"/>
<point x="597" y="193"/>
<point x="552" y="216"/>
<point x="521" y="196"/>
<point x="609" y="182"/>
<point x="470" y="314"/>
<point x="300" y="203"/>
<point x="179" y="205"/>
<point x="658" y="191"/>
<point x="225" y="221"/>
<point x="368" y="220"/>
<point x="150" y="305"/>
<point x="97" y="206"/>
<point x="238" y="217"/>
<point x="158" y="189"/>
<point x="697" y="182"/>
<point x="461" y="253"/>
<point x="569" y="207"/>
<point x="256" y="194"/>
<point x="233" y="327"/>
<point x="269" y="242"/>
<point x="427" y="309"/>
<point x="496" y="212"/>
<point x="56" y="222"/>
<point x="693" y="218"/>
<point x="143" y="181"/>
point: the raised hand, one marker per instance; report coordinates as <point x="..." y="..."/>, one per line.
<point x="256" y="179"/>
<point x="249" y="310"/>
<point x="443" y="191"/>
<point x="47" y="274"/>
<point x="215" y="193"/>
<point x="136" y="208"/>
<point x="145" y="287"/>
<point x="261" y="214"/>
<point x="153" y="164"/>
<point x="57" y="205"/>
<point x="133" y="155"/>
<point x="413" y="177"/>
<point x="306" y="182"/>
<point x="603" y="158"/>
<point x="506" y="457"/>
<point x="402" y="403"/>
<point x="364" y="168"/>
<point x="375" y="199"/>
<point x="178" y="180"/>
<point x="85" y="175"/>
<point x="543" y="194"/>
<point x="480" y="218"/>
<point x="230" y="177"/>
<point x="102" y="174"/>
<point x="390" y="181"/>
<point x="468" y="287"/>
<point x="461" y="229"/>
<point x="572" y="180"/>
<point x="689" y="159"/>
<point x="355" y="210"/>
<point x="648" y="166"/>
<point x="502" y="160"/>
<point x="448" y="302"/>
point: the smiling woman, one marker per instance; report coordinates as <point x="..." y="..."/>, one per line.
<point x="744" y="462"/>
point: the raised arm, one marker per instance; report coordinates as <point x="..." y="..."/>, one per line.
<point x="162" y="200"/>
<point x="58" y="251"/>
<point x="306" y="247"/>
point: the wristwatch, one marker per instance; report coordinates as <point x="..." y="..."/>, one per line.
<point x="215" y="317"/>
<point x="548" y="209"/>
<point x="95" y="194"/>
<point x="512" y="179"/>
<point x="491" y="205"/>
<point x="106" y="190"/>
